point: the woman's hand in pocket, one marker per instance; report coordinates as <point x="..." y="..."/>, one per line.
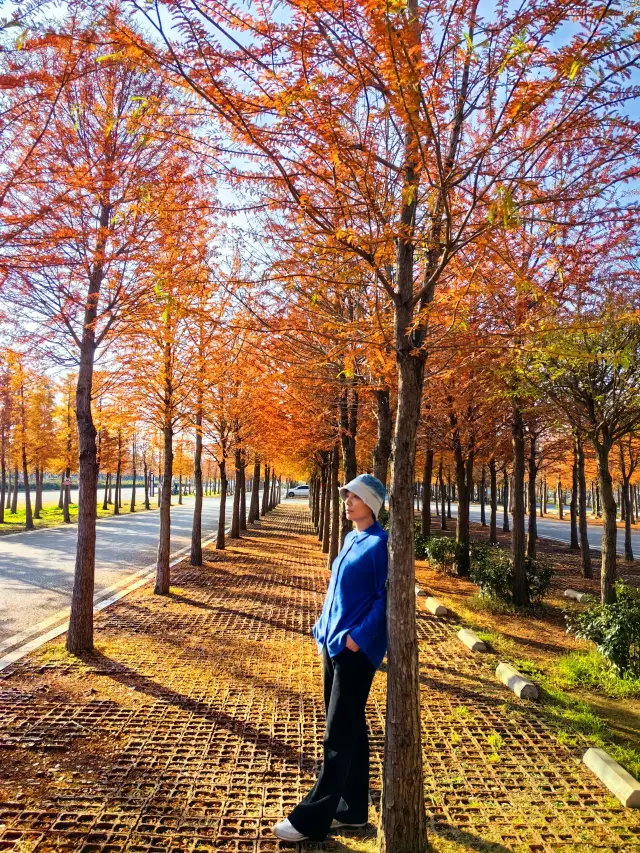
<point x="353" y="647"/>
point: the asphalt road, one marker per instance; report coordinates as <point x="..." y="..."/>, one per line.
<point x="36" y="569"/>
<point x="560" y="530"/>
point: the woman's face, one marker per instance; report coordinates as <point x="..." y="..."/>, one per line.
<point x="356" y="509"/>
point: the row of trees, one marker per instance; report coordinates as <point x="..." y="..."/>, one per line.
<point x="419" y="196"/>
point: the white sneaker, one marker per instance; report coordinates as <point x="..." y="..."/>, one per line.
<point x="286" y="831"/>
<point x="336" y="824"/>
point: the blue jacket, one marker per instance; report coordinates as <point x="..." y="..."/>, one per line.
<point x="357" y="596"/>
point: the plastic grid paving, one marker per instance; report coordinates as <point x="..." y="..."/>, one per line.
<point x="212" y="729"/>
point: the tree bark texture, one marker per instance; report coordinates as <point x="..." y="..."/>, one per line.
<point x="220" y="538"/>
<point x="493" y="521"/>
<point x="163" y="571"/>
<point x="254" y="503"/>
<point x="427" y="474"/>
<point x="587" y="571"/>
<point x="532" y="538"/>
<point x="382" y="449"/>
<point x="196" y="529"/>
<point x="608" y="572"/>
<point x="334" y="541"/>
<point x="505" y="500"/>
<point x="574" y="543"/>
<point x="235" y="514"/>
<point x="520" y="587"/>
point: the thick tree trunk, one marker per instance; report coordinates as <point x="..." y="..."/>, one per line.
<point x="574" y="544"/>
<point x="505" y="501"/>
<point x="493" y="523"/>
<point x="402" y="810"/>
<point x="254" y="503"/>
<point x="608" y="573"/>
<point x="483" y="495"/>
<point x="520" y="586"/>
<point x="334" y="541"/>
<point x="382" y="449"/>
<point x="533" y="524"/>
<point x="449" y="493"/>
<point x="163" y="571"/>
<point x="427" y="473"/>
<point x="587" y="571"/>
<point x="196" y="529"/>
<point x="220" y="539"/>
<point x="80" y="633"/>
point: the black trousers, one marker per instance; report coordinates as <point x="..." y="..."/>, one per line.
<point x="342" y="788"/>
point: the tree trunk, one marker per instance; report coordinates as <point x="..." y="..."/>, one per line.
<point x="574" y="544"/>
<point x="335" y="507"/>
<point x="520" y="586"/>
<point x="443" y="497"/>
<point x="559" y="499"/>
<point x="61" y="496"/>
<point x="402" y="809"/>
<point x="80" y="633"/>
<point x="608" y="573"/>
<point x="180" y="485"/>
<point x="326" y="510"/>
<point x="132" y="507"/>
<point x="235" y="515"/>
<point x="382" y="449"/>
<point x="427" y="473"/>
<point x="163" y="577"/>
<point x="116" y="503"/>
<point x="243" y="495"/>
<point x="14" y="498"/>
<point x="254" y="503"/>
<point x="482" y="496"/>
<point x="105" y="502"/>
<point x="323" y="491"/>
<point x="587" y="571"/>
<point x="147" y="505"/>
<point x="505" y="501"/>
<point x="223" y="504"/>
<point x="464" y="469"/>
<point x="27" y="491"/>
<point x="493" y="523"/>
<point x="3" y="470"/>
<point x="348" y="409"/>
<point x="533" y="524"/>
<point x="626" y="497"/>
<point x="196" y="529"/>
<point x="265" y="493"/>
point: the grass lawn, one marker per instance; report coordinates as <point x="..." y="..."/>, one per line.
<point x="51" y="516"/>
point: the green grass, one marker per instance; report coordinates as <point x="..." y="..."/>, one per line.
<point x="481" y="604"/>
<point x="592" y="670"/>
<point x="51" y="516"/>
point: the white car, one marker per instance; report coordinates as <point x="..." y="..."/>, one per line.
<point x="301" y="491"/>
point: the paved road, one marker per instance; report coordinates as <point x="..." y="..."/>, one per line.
<point x="36" y="569"/>
<point x="50" y="497"/>
<point x="560" y="530"/>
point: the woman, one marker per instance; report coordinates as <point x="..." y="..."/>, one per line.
<point x="351" y="637"/>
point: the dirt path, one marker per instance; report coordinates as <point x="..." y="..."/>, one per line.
<point x="198" y="723"/>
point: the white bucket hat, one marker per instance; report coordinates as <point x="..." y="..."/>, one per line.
<point x="368" y="489"/>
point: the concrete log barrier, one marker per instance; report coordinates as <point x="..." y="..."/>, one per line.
<point x="515" y="681"/>
<point x="621" y="784"/>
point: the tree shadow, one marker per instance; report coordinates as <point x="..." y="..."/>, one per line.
<point x="217" y="718"/>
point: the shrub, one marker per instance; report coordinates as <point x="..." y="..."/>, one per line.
<point x="539" y="574"/>
<point x="383" y="518"/>
<point x="492" y="570"/>
<point x="443" y="551"/>
<point x="614" y="628"/>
